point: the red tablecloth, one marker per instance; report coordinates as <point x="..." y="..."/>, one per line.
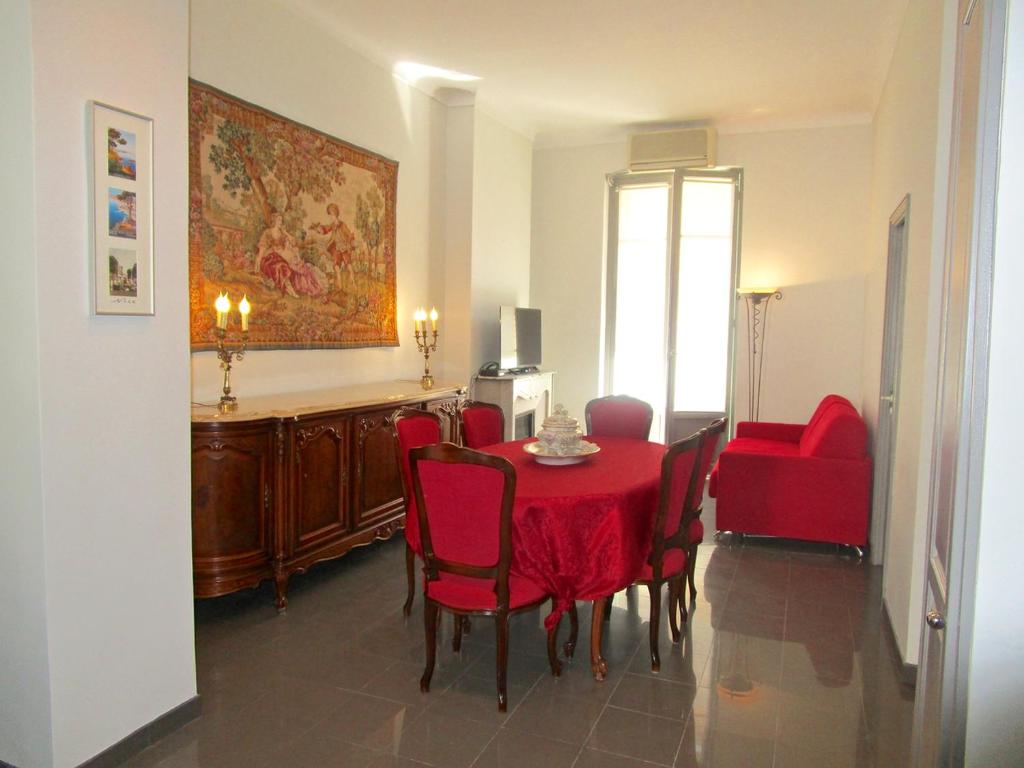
<point x="584" y="531"/>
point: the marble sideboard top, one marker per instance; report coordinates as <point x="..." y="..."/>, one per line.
<point x="291" y="404"/>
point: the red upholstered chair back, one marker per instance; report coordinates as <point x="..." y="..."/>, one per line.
<point x="412" y="428"/>
<point x="481" y="424"/>
<point x="675" y="505"/>
<point x="464" y="501"/>
<point x="619" y="416"/>
<point x="712" y="437"/>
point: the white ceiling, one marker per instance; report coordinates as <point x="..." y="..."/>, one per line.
<point x="571" y="71"/>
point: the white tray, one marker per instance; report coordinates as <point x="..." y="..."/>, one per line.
<point x="540" y="453"/>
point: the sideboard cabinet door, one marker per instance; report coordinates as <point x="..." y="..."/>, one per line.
<point x="378" y="486"/>
<point x="320" y="483"/>
<point x="232" y="540"/>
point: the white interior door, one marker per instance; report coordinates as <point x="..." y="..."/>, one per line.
<point x="888" y="389"/>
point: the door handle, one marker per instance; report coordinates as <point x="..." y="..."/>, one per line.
<point x="935" y="620"/>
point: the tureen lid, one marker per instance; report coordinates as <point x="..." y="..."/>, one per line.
<point x="560" y="420"/>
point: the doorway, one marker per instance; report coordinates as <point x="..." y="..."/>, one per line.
<point x="673" y="251"/>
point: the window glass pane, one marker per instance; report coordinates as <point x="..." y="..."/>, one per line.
<point x="705" y="294"/>
<point x="707" y="208"/>
<point x="640" y="315"/>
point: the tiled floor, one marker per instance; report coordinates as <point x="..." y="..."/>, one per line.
<point x="784" y="663"/>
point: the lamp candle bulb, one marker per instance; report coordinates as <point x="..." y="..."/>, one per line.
<point x="433" y="319"/>
<point x="244" y="308"/>
<point x="223" y="306"/>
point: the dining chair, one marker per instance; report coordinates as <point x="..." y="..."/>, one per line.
<point x="481" y="424"/>
<point x="712" y="436"/>
<point x="464" y="501"/>
<point x="619" y="416"/>
<point x="670" y="548"/>
<point x="412" y="428"/>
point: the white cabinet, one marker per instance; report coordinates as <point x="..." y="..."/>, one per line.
<point x="524" y="398"/>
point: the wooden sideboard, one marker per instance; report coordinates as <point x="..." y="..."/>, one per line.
<point x="290" y="480"/>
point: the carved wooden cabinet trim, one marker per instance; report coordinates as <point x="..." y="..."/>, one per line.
<point x="273" y="496"/>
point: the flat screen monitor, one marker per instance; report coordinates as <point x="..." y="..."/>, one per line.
<point x="520" y="338"/>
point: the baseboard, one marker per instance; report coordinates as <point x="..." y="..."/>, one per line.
<point x="907" y="671"/>
<point x="145" y="736"/>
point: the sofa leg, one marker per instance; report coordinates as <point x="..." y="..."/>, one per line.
<point x="857" y="551"/>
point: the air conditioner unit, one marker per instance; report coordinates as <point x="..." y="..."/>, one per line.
<point x="691" y="148"/>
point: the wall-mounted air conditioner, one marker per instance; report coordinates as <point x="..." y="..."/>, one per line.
<point x="690" y="148"/>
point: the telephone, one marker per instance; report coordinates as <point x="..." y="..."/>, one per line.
<point x="489" y="369"/>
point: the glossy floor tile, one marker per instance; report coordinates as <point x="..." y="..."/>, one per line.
<point x="784" y="661"/>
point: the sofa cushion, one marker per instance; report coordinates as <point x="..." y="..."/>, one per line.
<point x="838" y="433"/>
<point x="757" y="445"/>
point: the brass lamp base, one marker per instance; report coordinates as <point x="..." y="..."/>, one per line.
<point x="228" y="403"/>
<point x="427" y="381"/>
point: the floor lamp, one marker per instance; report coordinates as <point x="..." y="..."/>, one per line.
<point x="758" y="300"/>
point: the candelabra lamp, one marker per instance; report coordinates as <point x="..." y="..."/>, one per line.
<point x="758" y="300"/>
<point x="225" y="353"/>
<point x="425" y="345"/>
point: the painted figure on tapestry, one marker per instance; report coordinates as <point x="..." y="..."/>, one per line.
<point x="302" y="223"/>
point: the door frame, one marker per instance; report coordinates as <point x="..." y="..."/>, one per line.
<point x="889" y="377"/>
<point x="972" y="404"/>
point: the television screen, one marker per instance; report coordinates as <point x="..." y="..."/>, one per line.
<point x="520" y="337"/>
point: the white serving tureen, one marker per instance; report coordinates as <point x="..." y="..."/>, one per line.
<point x="560" y="434"/>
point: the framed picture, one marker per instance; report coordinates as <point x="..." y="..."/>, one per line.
<point x="122" y="197"/>
<point x="300" y="222"/>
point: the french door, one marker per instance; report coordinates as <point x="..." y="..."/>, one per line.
<point x="673" y="254"/>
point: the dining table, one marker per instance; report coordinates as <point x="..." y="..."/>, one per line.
<point x="583" y="529"/>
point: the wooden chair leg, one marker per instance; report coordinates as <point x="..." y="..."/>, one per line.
<point x="458" y="623"/>
<point x="556" y="665"/>
<point x="501" y="629"/>
<point x="655" y="592"/>
<point x="673" y="601"/>
<point x="681" y="600"/>
<point x="430" y="612"/>
<point x="574" y="631"/>
<point x="691" y="566"/>
<point x="410" y="575"/>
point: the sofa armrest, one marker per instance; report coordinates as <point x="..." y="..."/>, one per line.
<point x="770" y="430"/>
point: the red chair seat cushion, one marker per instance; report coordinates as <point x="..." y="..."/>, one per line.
<point x="469" y="594"/>
<point x="674" y="563"/>
<point x="696" y="532"/>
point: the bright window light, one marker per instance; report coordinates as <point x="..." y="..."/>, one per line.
<point x="640" y="320"/>
<point x="412" y="72"/>
<point x="705" y="293"/>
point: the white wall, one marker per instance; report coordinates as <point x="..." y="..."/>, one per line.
<point x="910" y="151"/>
<point x="113" y="438"/>
<point x="269" y="54"/>
<point x="502" y="182"/>
<point x="25" y="737"/>
<point x="806" y="198"/>
<point x="458" y="269"/>
<point x="567" y="265"/>
<point x="995" y="708"/>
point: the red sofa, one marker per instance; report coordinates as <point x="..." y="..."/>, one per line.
<point x="797" y="481"/>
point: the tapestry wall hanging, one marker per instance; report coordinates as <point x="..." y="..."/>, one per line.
<point x="300" y="222"/>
